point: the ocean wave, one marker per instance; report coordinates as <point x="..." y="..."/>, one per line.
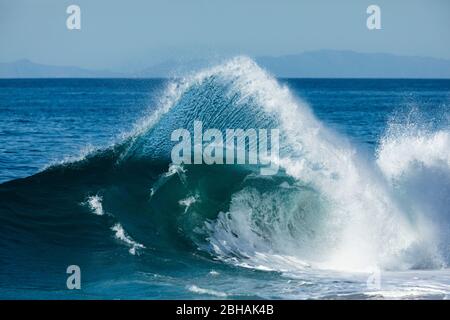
<point x="327" y="208"/>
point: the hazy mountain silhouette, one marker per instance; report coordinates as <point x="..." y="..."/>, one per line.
<point x="27" y="69"/>
<point x="328" y="64"/>
<point x="312" y="64"/>
<point x="349" y="64"/>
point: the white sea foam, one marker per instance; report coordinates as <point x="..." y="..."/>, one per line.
<point x="121" y="235"/>
<point x="214" y="273"/>
<point x="95" y="204"/>
<point x="173" y="170"/>
<point x="416" y="163"/>
<point x="210" y="292"/>
<point x="400" y="154"/>
<point x="186" y="203"/>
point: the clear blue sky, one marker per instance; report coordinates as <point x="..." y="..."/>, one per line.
<point x="123" y="35"/>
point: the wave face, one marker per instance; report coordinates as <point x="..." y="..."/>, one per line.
<point x="328" y="208"/>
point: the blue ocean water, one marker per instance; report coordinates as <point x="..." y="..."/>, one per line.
<point x="44" y="121"/>
<point x="86" y="180"/>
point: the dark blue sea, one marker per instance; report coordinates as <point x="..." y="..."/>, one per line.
<point x="359" y="206"/>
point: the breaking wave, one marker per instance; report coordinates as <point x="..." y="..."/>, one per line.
<point x="328" y="207"/>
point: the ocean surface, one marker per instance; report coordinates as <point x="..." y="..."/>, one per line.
<point x="358" y="209"/>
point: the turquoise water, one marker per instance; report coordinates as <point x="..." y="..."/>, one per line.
<point x="363" y="188"/>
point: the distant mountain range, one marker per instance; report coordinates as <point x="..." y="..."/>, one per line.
<point x="349" y="64"/>
<point x="312" y="64"/>
<point x="26" y="69"/>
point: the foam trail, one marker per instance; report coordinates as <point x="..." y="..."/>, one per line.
<point x="199" y="290"/>
<point x="95" y="204"/>
<point x="186" y="203"/>
<point x="121" y="235"/>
